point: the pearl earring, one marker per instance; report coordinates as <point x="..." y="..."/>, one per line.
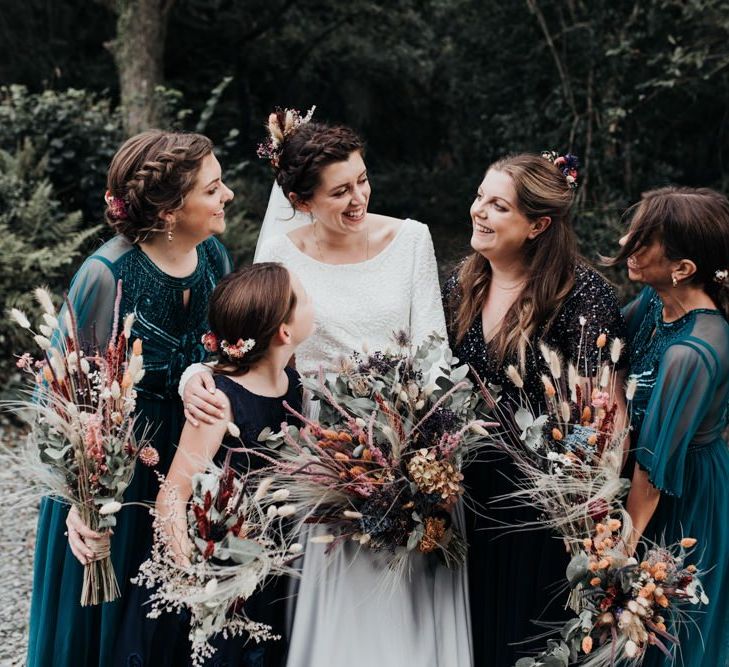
<point x="674" y="281"/>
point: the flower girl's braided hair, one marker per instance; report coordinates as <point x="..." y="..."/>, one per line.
<point x="152" y="172"/>
<point x="299" y="150"/>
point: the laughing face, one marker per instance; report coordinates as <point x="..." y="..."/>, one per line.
<point x="500" y="230"/>
<point x="340" y="201"/>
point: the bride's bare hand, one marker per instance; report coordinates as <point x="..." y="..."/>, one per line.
<point x="77" y="531"/>
<point x="200" y="401"/>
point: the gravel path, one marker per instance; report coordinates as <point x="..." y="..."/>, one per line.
<point x="17" y="539"/>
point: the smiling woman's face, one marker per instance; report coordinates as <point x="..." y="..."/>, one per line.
<point x="341" y="198"/>
<point x="500" y="230"/>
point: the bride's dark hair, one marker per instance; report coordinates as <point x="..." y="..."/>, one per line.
<point x="550" y="258"/>
<point x="306" y="151"/>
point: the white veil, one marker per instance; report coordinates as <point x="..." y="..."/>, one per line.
<point x="280" y="218"/>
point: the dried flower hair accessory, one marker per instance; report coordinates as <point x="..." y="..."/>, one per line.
<point x="281" y="123"/>
<point x="117" y="206"/>
<point x="210" y="342"/>
<point x="567" y="164"/>
<point x="721" y="276"/>
<point x="239" y="350"/>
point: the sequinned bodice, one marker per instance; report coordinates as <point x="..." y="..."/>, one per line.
<point x="169" y="328"/>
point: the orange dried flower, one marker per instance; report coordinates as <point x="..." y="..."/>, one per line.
<point x="434" y="533"/>
<point x="586" y="414"/>
<point x="339" y="456"/>
<point x="662" y="601"/>
<point x="688" y="542"/>
<point x="366" y="455"/>
<point x="137" y="347"/>
<point x="601" y="341"/>
<point x="587" y="543"/>
<point x="595" y="581"/>
<point x="557" y="434"/>
<point x="587" y="644"/>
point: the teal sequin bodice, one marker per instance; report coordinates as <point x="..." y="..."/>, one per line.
<point x="170" y="328"/>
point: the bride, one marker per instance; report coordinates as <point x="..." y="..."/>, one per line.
<point x="369" y="275"/>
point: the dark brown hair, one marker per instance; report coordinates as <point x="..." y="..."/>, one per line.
<point x="152" y="172"/>
<point x="689" y="223"/>
<point x="251" y="302"/>
<point x="541" y="190"/>
<point x="307" y="150"/>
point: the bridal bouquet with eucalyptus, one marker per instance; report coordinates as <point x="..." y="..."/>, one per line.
<point x="82" y="446"/>
<point x="382" y="463"/>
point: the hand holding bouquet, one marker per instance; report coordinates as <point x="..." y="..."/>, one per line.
<point x="82" y="443"/>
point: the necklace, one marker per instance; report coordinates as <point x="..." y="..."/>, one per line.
<point x="321" y="254"/>
<point x="508" y="288"/>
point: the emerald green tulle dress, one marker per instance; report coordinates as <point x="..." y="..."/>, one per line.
<point x="62" y="633"/>
<point x="679" y="413"/>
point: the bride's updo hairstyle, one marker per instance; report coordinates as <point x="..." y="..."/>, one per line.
<point x="245" y="311"/>
<point x="542" y="189"/>
<point x="150" y="174"/>
<point x="689" y="223"/>
<point x="299" y="150"/>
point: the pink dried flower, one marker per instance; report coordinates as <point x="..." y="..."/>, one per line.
<point x="149" y="456"/>
<point x="25" y="361"/>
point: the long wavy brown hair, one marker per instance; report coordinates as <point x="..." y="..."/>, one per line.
<point x="541" y="190"/>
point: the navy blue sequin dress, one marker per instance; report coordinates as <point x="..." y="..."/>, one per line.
<point x="62" y="633"/>
<point x="516" y="578"/>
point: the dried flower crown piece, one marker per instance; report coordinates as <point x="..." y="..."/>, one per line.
<point x="567" y="164"/>
<point x="721" y="276"/>
<point x="117" y="206"/>
<point x="210" y="342"/>
<point x="281" y="123"/>
<point x="239" y="350"/>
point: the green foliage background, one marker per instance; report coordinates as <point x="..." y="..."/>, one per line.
<point x="439" y="89"/>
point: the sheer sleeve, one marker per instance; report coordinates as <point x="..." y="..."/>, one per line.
<point x="92" y="295"/>
<point x="682" y="394"/>
<point x="596" y="301"/>
<point x="450" y="295"/>
<point x="426" y="309"/>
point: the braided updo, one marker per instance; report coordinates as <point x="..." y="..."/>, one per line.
<point x="151" y="173"/>
<point x="307" y="151"/>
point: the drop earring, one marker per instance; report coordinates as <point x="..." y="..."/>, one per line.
<point x="674" y="281"/>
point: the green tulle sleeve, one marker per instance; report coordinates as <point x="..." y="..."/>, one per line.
<point x="684" y="390"/>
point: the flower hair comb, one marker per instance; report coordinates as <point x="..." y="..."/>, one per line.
<point x="567" y="164"/>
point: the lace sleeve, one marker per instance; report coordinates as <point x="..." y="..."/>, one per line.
<point x="683" y="392"/>
<point x="426" y="309"/>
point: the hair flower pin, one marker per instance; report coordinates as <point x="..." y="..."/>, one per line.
<point x="721" y="276"/>
<point x="239" y="350"/>
<point x="281" y="123"/>
<point x="117" y="206"/>
<point x="210" y="342"/>
<point x="567" y="164"/>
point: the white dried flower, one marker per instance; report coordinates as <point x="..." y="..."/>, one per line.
<point x="272" y="512"/>
<point x="555" y="364"/>
<point x="85" y="366"/>
<point x="545" y="351"/>
<point x="365" y="539"/>
<point x="110" y="508"/>
<point x="514" y="376"/>
<point x="19" y="317"/>
<point x="280" y="495"/>
<point x="42" y="342"/>
<point x="43" y="297"/>
<point x="296" y="548"/>
<point x="322" y="539"/>
<point x="115" y="390"/>
<point x="583" y="320"/>
<point x="566" y="411"/>
<point x="478" y="428"/>
<point x="630" y="388"/>
<point x="616" y="349"/>
<point x="349" y="514"/>
<point x="605" y="376"/>
<point x="286" y="510"/>
<point x="403" y="396"/>
<point x="211" y="587"/>
<point x="263" y="487"/>
<point x="631" y="648"/>
<point x="46" y="330"/>
<point x="233" y="430"/>
<point x="128" y="322"/>
<point x="68" y="320"/>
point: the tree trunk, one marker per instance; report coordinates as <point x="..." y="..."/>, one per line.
<point x="138" y="50"/>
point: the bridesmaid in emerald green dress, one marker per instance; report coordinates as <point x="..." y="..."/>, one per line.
<point x="165" y="202"/>
<point x="678" y="245"/>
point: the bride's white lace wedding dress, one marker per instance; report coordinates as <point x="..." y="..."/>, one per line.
<point x="348" y="612"/>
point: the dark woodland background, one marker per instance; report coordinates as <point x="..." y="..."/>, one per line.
<point x="439" y="88"/>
